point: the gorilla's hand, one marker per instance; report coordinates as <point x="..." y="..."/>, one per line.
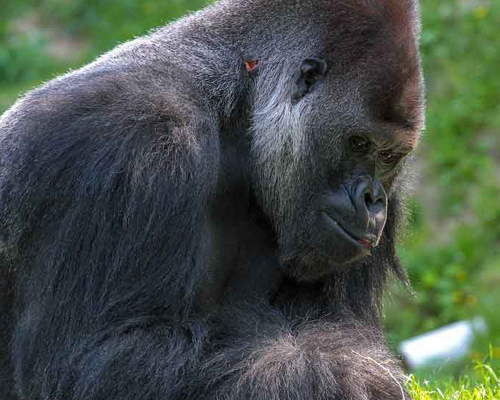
<point x="313" y="361"/>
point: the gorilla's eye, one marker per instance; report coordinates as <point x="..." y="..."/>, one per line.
<point x="359" y="144"/>
<point x="389" y="158"/>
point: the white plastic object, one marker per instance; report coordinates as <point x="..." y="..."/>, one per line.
<point x="448" y="343"/>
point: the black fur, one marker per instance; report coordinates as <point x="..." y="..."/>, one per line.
<point x="159" y="210"/>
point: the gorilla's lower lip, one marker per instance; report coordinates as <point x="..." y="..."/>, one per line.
<point x="360" y="244"/>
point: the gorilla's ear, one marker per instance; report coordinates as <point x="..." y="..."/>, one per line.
<point x="311" y="71"/>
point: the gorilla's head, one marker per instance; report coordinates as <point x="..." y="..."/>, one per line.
<point x="332" y="129"/>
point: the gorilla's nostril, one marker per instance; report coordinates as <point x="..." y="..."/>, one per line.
<point x="368" y="198"/>
<point x="374" y="195"/>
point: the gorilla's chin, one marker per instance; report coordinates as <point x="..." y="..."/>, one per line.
<point x="332" y="249"/>
<point x="314" y="266"/>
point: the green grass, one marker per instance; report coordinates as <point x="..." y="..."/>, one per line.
<point x="482" y="384"/>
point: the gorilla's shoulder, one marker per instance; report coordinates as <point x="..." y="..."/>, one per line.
<point x="103" y="103"/>
<point x="115" y="93"/>
<point x="107" y="113"/>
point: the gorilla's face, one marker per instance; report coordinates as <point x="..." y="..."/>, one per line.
<point x="342" y="207"/>
<point x="326" y="179"/>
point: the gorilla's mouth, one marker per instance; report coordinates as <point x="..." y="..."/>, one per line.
<point x="362" y="244"/>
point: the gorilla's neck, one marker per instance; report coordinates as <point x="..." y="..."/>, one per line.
<point x="240" y="245"/>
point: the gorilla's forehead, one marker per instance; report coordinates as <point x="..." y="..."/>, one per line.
<point x="402" y="15"/>
<point x="372" y="48"/>
<point x="371" y="32"/>
<point x="388" y="107"/>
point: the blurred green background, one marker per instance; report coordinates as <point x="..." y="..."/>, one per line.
<point x="452" y="244"/>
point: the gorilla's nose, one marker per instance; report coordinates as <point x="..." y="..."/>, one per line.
<point x="370" y="201"/>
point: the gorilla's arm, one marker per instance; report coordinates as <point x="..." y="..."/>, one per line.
<point x="269" y="357"/>
<point x="103" y="205"/>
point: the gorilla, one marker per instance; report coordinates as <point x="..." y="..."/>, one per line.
<point x="211" y="211"/>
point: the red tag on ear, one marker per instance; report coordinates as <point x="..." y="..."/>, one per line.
<point x="251" y="64"/>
